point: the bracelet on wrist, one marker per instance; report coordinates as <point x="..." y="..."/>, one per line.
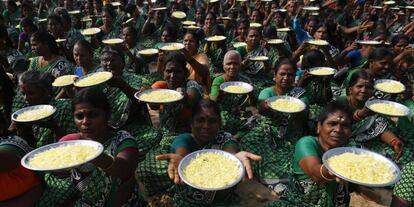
<point x="321" y="172"/>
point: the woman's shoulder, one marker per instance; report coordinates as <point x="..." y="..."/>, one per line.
<point x="306" y="140"/>
<point x="14" y="142"/>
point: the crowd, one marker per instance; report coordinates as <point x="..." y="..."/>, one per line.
<point x="41" y="40"/>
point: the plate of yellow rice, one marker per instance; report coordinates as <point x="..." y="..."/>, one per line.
<point x="236" y="87"/>
<point x="33" y="113"/>
<point x="159" y="96"/>
<point x="286" y="104"/>
<point x="388" y="108"/>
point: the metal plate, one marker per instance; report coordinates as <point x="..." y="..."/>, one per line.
<point x="148" y="52"/>
<point x="107" y="74"/>
<point x="310" y="8"/>
<point x="341" y="150"/>
<point x="255" y="25"/>
<point x="330" y="71"/>
<point x="25" y="160"/>
<point x="159" y="9"/>
<point x="248" y="87"/>
<point x="405" y="110"/>
<point x="30" y="108"/>
<point x="113" y="41"/>
<point x="179" y="15"/>
<point x="275" y="41"/>
<point x="60" y="40"/>
<point x="239" y="44"/>
<point x="259" y="58"/>
<point x="318" y="42"/>
<point x="188" y="23"/>
<point x="140" y="98"/>
<point x="378" y="87"/>
<point x="215" y="38"/>
<point x="369" y="42"/>
<point x="64" y="80"/>
<point x="285" y="29"/>
<point x="90" y="31"/>
<point x="289" y="98"/>
<point x="186" y="160"/>
<point x="172" y="46"/>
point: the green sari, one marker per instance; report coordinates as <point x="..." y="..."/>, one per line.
<point x="274" y="139"/>
<point x="72" y="36"/>
<point x="303" y="191"/>
<point x="57" y="68"/>
<point x="17" y="61"/>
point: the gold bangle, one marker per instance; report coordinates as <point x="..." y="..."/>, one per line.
<point x="321" y="172"/>
<point x="112" y="163"/>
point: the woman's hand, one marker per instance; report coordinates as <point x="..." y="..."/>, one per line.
<point x="246" y="60"/>
<point x="397" y="146"/>
<point x="305" y="78"/>
<point x="245" y="157"/>
<point x="173" y="161"/>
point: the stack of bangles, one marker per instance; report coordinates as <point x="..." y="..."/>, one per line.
<point x="356" y="116"/>
<point x="110" y="165"/>
<point x="395" y="142"/>
<point x="323" y="176"/>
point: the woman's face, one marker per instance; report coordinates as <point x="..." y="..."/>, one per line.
<point x="232" y="65"/>
<point x="253" y="38"/>
<point x="81" y="56"/>
<point x="91" y="121"/>
<point x="335" y="130"/>
<point x="54" y="27"/>
<point x="39" y="48"/>
<point x="279" y="20"/>
<point x="190" y="43"/>
<point x="357" y="12"/>
<point x="255" y="17"/>
<point x="361" y="91"/>
<point x="205" y="126"/>
<point x="209" y="21"/>
<point x="321" y="33"/>
<point x="27" y="12"/>
<point x="285" y="76"/>
<point x="242" y="30"/>
<point x="199" y="15"/>
<point x="381" y="67"/>
<point x="174" y="74"/>
<point x="400" y="46"/>
<point x="159" y="17"/>
<point x="112" y="63"/>
<point x="108" y="20"/>
<point x="34" y="95"/>
<point x="128" y="37"/>
<point x="166" y="37"/>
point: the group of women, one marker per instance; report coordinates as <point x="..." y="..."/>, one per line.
<point x="41" y="41"/>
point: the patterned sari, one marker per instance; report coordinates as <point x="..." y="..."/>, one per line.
<point x="57" y="68"/>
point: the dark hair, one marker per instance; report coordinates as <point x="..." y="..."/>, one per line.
<point x="115" y="50"/>
<point x="177" y="58"/>
<point x="56" y="18"/>
<point x="195" y="36"/>
<point x="398" y="37"/>
<point x="66" y="18"/>
<point x="205" y="104"/>
<point x="133" y="31"/>
<point x="110" y="10"/>
<point x="85" y="45"/>
<point x="211" y="13"/>
<point x="26" y="22"/>
<point x="333" y="107"/>
<point x="379" y="54"/>
<point x="12" y="3"/>
<point x="270" y="32"/>
<point x="312" y="58"/>
<point x="38" y="79"/>
<point x="259" y="31"/>
<point x="7" y="88"/>
<point x="260" y="14"/>
<point x="171" y="31"/>
<point x="5" y="36"/>
<point x="93" y="96"/>
<point x="362" y="74"/>
<point x="285" y="61"/>
<point x="46" y="38"/>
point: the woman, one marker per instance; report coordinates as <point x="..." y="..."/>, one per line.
<point x="109" y="28"/>
<point x="36" y="89"/>
<point x="257" y="71"/>
<point x="175" y="117"/>
<point x="311" y="182"/>
<point x="83" y="56"/>
<point x="276" y="51"/>
<point x="19" y="186"/>
<point x="276" y="134"/>
<point x="371" y="131"/>
<point x="200" y="17"/>
<point x="209" y="23"/>
<point x="24" y="37"/>
<point x="216" y="51"/>
<point x="48" y="59"/>
<point x="11" y="59"/>
<point x="198" y="64"/>
<point x="240" y="33"/>
<point x="127" y="113"/>
<point x="107" y="180"/>
<point x="152" y="28"/>
<point x="134" y="63"/>
<point x="12" y="13"/>
<point x="168" y="34"/>
<point x="56" y="27"/>
<point x="205" y="134"/>
<point x="233" y="106"/>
